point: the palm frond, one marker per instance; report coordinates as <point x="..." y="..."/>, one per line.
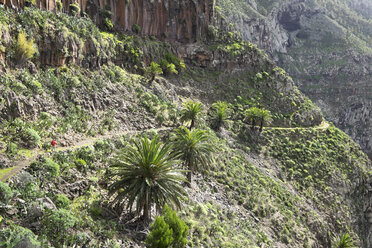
<point x="145" y="174"/>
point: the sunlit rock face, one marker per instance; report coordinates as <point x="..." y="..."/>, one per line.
<point x="181" y="20"/>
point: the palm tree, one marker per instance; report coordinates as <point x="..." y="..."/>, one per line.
<point x="146" y="174"/>
<point x="194" y="149"/>
<point x="190" y="112"/>
<point x="252" y="115"/>
<point x="152" y="71"/>
<point x="264" y="116"/>
<point x="220" y="113"/>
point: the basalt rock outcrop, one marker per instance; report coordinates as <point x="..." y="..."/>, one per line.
<point x="181" y="20"/>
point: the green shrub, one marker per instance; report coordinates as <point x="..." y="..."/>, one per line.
<point x="18" y="86"/>
<point x="153" y="70"/>
<point x="30" y="3"/>
<point x="75" y="8"/>
<point x="136" y="28"/>
<point x="28" y="187"/>
<point x="173" y="59"/>
<point x="51" y="167"/>
<point x="35" y="86"/>
<point x="109" y="26"/>
<point x="46" y="146"/>
<point x="86" y="154"/>
<point x="57" y="224"/>
<point x="5" y="193"/>
<point x="180" y="229"/>
<point x="59" y="5"/>
<point x="80" y="164"/>
<point x="31" y="138"/>
<point x="12" y="148"/>
<point x="61" y="201"/>
<point x="24" y="49"/>
<point x="160" y="236"/>
<point x="17" y="236"/>
<point x="95" y="210"/>
<point x="168" y="68"/>
<point x="168" y="231"/>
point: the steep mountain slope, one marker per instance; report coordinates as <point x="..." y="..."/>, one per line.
<point x="298" y="183"/>
<point x="324" y="45"/>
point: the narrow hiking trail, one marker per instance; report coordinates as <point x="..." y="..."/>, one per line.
<point x="323" y="125"/>
<point x="19" y="165"/>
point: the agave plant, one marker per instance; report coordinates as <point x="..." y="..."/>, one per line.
<point x="146" y="174"/>
<point x="343" y="241"/>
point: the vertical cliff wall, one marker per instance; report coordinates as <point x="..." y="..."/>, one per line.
<point x="182" y="20"/>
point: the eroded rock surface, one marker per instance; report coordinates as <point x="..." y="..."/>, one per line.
<point x="181" y="20"/>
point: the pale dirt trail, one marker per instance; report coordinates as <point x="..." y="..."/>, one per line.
<point x="19" y="165"/>
<point x="323" y="125"/>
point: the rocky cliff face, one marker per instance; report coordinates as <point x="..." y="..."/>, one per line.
<point x="181" y="20"/>
<point x="325" y="46"/>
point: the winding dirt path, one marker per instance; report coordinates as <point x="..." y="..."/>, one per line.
<point x="19" y="165"/>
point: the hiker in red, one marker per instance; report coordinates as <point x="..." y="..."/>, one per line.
<point x="53" y="143"/>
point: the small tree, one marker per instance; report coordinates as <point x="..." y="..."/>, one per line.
<point x="220" y="113"/>
<point x="251" y="116"/>
<point x="152" y="71"/>
<point x="167" y="231"/>
<point x="146" y="175"/>
<point x="24" y="49"/>
<point x="194" y="149"/>
<point x="190" y="112"/>
<point x="264" y="116"/>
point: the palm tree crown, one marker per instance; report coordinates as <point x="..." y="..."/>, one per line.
<point x="194" y="149"/>
<point x="256" y="115"/>
<point x="146" y="175"/>
<point x="190" y="112"/>
<point x="251" y="115"/>
<point x="220" y="113"/>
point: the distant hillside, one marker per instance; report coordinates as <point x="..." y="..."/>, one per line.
<point x="326" y="47"/>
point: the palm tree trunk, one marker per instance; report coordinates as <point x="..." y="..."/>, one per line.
<point x="146" y="213"/>
<point x="189" y="176"/>
<point x="261" y="125"/>
<point x="192" y="124"/>
<point x="253" y="124"/>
